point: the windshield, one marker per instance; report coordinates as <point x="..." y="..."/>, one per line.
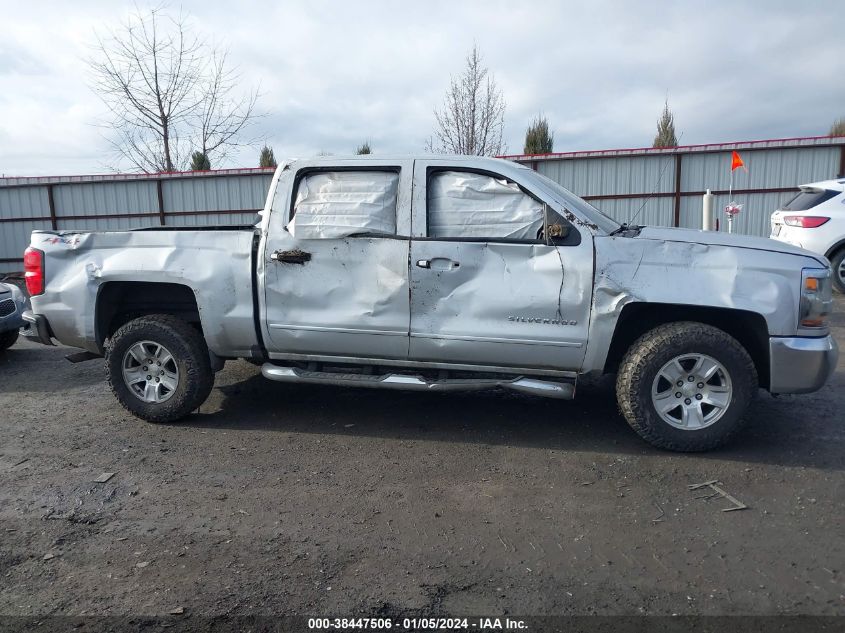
<point x="574" y="203"/>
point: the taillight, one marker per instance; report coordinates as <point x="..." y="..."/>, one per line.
<point x="805" y="221"/>
<point x="33" y="265"/>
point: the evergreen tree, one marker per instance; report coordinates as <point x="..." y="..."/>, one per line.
<point x="538" y="139"/>
<point x="666" y="129"/>
<point x="200" y="162"/>
<point x="267" y="159"/>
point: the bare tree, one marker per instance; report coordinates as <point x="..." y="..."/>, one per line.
<point x="222" y="114"/>
<point x="666" y="129"/>
<point x="168" y="92"/>
<point x="837" y="128"/>
<point x="473" y="116"/>
<point x="364" y="148"/>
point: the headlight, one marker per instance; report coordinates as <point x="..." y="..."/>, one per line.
<point x="816" y="298"/>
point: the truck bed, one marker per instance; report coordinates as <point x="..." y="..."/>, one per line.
<point x="215" y="263"/>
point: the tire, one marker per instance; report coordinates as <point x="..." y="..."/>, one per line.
<point x="694" y="424"/>
<point x="7" y="339"/>
<point x="837" y="264"/>
<point x="184" y="366"/>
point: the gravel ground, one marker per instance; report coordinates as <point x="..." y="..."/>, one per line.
<point x="276" y="499"/>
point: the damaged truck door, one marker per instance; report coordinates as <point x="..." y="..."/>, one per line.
<point x="336" y="262"/>
<point x="487" y="285"/>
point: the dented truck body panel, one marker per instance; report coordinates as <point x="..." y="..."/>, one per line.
<point x="500" y="305"/>
<point x="215" y="265"/>
<point x="351" y="298"/>
<point x="693" y="268"/>
<point x="497" y="303"/>
<point x="312" y="293"/>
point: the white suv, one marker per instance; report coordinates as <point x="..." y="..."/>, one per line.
<point x="815" y="219"/>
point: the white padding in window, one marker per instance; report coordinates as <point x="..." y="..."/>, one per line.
<point x="342" y="203"/>
<point x="465" y="204"/>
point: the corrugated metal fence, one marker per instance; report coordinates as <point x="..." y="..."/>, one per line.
<point x="665" y="186"/>
<point x="75" y="203"/>
<point x="652" y="186"/>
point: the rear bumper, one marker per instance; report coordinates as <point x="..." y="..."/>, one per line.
<point x="36" y="328"/>
<point x="813" y="240"/>
<point x="801" y="364"/>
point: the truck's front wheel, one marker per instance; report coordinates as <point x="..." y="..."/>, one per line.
<point x="158" y="368"/>
<point x="685" y="386"/>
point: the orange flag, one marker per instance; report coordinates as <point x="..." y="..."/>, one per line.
<point x="736" y="161"/>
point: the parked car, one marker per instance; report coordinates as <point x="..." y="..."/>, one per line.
<point x="12" y="303"/>
<point x="442" y="274"/>
<point x="815" y="219"/>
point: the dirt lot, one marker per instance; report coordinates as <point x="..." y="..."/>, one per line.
<point x="279" y="500"/>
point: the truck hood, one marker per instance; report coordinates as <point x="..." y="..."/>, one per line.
<point x="717" y="238"/>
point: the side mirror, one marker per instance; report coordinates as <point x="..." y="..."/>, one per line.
<point x="557" y="228"/>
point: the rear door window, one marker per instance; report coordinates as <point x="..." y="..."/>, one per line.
<point x="337" y="204"/>
<point x="809" y="199"/>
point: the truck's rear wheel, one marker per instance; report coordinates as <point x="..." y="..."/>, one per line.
<point x="158" y="368"/>
<point x="686" y="386"/>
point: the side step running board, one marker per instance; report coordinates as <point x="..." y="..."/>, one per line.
<point x="561" y="390"/>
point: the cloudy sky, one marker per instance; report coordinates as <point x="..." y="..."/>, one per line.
<point x="333" y="74"/>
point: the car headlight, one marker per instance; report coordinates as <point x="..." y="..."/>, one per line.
<point x="816" y="298"/>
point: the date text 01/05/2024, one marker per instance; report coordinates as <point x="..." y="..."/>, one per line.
<point x="414" y="624"/>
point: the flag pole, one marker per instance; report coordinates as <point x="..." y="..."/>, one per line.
<point x="730" y="195"/>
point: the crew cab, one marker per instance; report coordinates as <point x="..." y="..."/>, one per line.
<point x="442" y="273"/>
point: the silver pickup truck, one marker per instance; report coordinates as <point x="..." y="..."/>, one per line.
<point x="441" y="274"/>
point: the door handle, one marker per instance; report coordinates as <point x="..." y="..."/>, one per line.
<point x="291" y="257"/>
<point x="438" y="263"/>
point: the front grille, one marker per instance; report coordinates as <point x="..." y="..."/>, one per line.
<point x="7" y="307"/>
